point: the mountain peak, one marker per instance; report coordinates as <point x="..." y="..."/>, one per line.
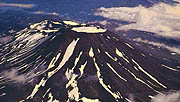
<point x="47" y="25"/>
<point x="67" y="61"/>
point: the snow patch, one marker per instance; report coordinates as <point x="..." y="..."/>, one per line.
<point x="71" y="23"/>
<point x="89" y="29"/>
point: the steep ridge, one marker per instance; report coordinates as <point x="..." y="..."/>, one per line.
<point x="64" y="61"/>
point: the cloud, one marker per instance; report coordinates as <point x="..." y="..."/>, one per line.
<point x="131" y="98"/>
<point x="5" y="40"/>
<point x="173" y="49"/>
<point x="17" y="5"/>
<point x="177" y="0"/>
<point x="13" y="75"/>
<point x="167" y="97"/>
<point x="45" y="13"/>
<point x="91" y="78"/>
<point x="161" y="18"/>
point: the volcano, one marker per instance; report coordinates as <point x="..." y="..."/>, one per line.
<point x="65" y="61"/>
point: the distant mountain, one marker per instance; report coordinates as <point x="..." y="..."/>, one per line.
<point x="63" y="61"/>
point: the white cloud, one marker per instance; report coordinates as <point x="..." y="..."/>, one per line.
<point x="173" y="49"/>
<point x="5" y="40"/>
<point x="17" y="5"/>
<point x="167" y="97"/>
<point x="46" y="13"/>
<point x="177" y="0"/>
<point x="4" y="7"/>
<point x="131" y="98"/>
<point x="91" y="78"/>
<point x="13" y="75"/>
<point x="163" y="19"/>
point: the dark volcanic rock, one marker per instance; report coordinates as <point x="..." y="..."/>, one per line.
<point x="62" y="61"/>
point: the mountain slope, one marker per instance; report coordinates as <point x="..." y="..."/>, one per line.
<point x="63" y="61"/>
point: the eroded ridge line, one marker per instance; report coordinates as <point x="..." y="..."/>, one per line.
<point x="116" y="72"/>
<point x="68" y="53"/>
<point x="100" y="78"/>
<point x="149" y="75"/>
